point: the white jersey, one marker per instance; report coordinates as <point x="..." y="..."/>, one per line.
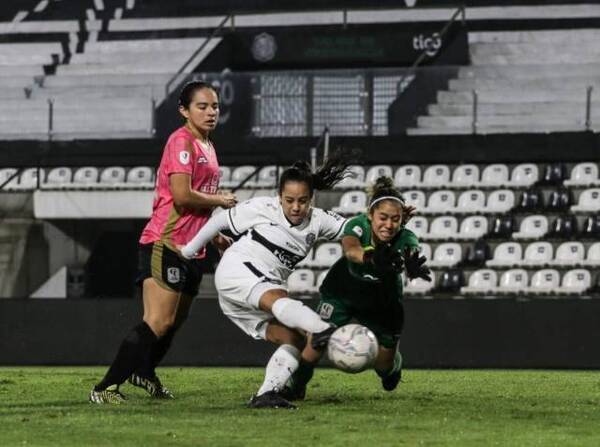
<point x="272" y="240"/>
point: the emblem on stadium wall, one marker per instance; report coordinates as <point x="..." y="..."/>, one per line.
<point x="264" y="47"/>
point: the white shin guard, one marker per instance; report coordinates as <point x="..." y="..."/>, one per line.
<point x="296" y="315"/>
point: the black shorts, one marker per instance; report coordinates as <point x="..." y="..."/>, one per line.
<point x="168" y="269"/>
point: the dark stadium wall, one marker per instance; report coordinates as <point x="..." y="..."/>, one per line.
<point x="503" y="333"/>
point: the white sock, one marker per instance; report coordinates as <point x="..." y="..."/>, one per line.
<point x="296" y="315"/>
<point x="280" y="368"/>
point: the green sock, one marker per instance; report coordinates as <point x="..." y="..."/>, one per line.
<point x="395" y="367"/>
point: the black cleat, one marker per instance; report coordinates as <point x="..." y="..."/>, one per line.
<point x="293" y="393"/>
<point x="270" y="399"/>
<point x="110" y="395"/>
<point x="390" y="382"/>
<point x="320" y="339"/>
<point x="151" y="385"/>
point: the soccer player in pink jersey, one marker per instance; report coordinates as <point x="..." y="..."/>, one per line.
<point x="186" y="194"/>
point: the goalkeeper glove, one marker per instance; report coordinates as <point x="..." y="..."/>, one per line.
<point x="415" y="265"/>
<point x="383" y="258"/>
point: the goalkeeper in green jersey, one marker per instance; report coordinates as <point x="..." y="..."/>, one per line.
<point x="366" y="283"/>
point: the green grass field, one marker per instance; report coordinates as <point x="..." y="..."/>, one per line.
<point x="48" y="406"/>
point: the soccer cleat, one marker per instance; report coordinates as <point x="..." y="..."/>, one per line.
<point x="293" y="393"/>
<point x="152" y="385"/>
<point x="110" y="395"/>
<point x="320" y="339"/>
<point x="390" y="382"/>
<point x="270" y="399"/>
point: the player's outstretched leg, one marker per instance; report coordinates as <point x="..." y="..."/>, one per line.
<point x="281" y="365"/>
<point x="110" y="395"/>
<point x="319" y="339"/>
<point x="152" y="385"/>
<point x="391" y="377"/>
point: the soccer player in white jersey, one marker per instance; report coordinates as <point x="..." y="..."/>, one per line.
<point x="251" y="277"/>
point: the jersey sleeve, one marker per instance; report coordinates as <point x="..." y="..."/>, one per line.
<point x="179" y="156"/>
<point x="356" y="227"/>
<point x="245" y="215"/>
<point x="332" y="225"/>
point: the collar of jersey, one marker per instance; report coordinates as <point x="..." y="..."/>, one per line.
<point x="301" y="224"/>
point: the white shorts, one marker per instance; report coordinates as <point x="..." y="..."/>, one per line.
<point x="240" y="283"/>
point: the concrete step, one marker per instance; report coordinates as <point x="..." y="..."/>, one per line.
<point x="539" y="128"/>
<point x="513" y="96"/>
<point x="552" y="108"/>
<point x="502" y="120"/>
<point x="531" y="71"/>
<point x="536" y="49"/>
<point x="100" y="92"/>
<point x="141" y="45"/>
<point x="469" y="84"/>
<point x="29" y="70"/>
<point x="72" y="81"/>
<point x="545" y="37"/>
<point x="539" y="59"/>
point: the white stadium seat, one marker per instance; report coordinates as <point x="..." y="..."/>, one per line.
<point x="240" y="173"/>
<point x="471" y="201"/>
<point x="267" y="177"/>
<point x="494" y="175"/>
<point x="513" y="281"/>
<point x="500" y="201"/>
<point x="446" y="255"/>
<point x="140" y="177"/>
<point x="377" y="171"/>
<point x="308" y="259"/>
<point x="465" y="176"/>
<point x="443" y="227"/>
<point x="7" y="173"/>
<point x="544" y="281"/>
<point x="532" y="227"/>
<point x="356" y="178"/>
<point x="326" y="254"/>
<point x="407" y="176"/>
<point x="418" y="225"/>
<point x="425" y="250"/>
<point x="224" y="177"/>
<point x="575" y="282"/>
<point x="86" y="176"/>
<point x="482" y="281"/>
<point x="301" y="281"/>
<point x="538" y="254"/>
<point x="419" y="286"/>
<point x="436" y="176"/>
<point x="593" y="255"/>
<point x="58" y="178"/>
<point x="321" y="278"/>
<point x="525" y="174"/>
<point x="352" y="202"/>
<point x="473" y="227"/>
<point x="506" y="254"/>
<point x="29" y="179"/>
<point x="415" y="198"/>
<point x="589" y="200"/>
<point x="440" y="202"/>
<point x="112" y="176"/>
<point x="569" y="254"/>
<point x="584" y="174"/>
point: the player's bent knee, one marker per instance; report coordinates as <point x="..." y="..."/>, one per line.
<point x="160" y="326"/>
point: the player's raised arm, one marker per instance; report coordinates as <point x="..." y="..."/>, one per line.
<point x="215" y="224"/>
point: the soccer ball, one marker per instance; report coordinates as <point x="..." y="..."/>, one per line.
<point x="352" y="348"/>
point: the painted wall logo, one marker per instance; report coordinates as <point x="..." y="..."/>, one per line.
<point x="431" y="44"/>
<point x="264" y="47"/>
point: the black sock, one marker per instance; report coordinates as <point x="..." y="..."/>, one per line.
<point x="131" y="353"/>
<point x="303" y="374"/>
<point x="156" y="354"/>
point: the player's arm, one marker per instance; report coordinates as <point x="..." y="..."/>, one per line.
<point x="184" y="195"/>
<point x="215" y="224"/>
<point x="353" y="250"/>
<point x="382" y="257"/>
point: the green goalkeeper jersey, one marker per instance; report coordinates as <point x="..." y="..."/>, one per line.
<point x="361" y="284"/>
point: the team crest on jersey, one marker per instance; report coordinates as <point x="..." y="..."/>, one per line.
<point x="357" y="230"/>
<point x="310" y="238"/>
<point x="184" y="157"/>
<point x="173" y="275"/>
<point x="326" y="311"/>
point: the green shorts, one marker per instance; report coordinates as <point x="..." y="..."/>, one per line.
<point x="386" y="325"/>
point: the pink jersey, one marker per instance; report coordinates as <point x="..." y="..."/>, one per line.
<point x="186" y="155"/>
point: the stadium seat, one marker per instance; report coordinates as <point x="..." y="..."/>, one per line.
<point x="29" y="179"/>
<point x="513" y="281"/>
<point x="308" y="259"/>
<point x="506" y="254"/>
<point x="560" y="200"/>
<point x="494" y="175"/>
<point x="564" y="227"/>
<point x="500" y="201"/>
<point x="112" y="176"/>
<point x="471" y="201"/>
<point x="240" y="174"/>
<point x="7" y="173"/>
<point x="419" y="286"/>
<point x="440" y="202"/>
<point x="593" y="255"/>
<point x="584" y="174"/>
<point x="301" y="281"/>
<point x="436" y="176"/>
<point x="484" y="281"/>
<point x="267" y="177"/>
<point x="356" y="179"/>
<point x="140" y="177"/>
<point x="321" y="277"/>
<point x="85" y="177"/>
<point x="58" y="178"/>
<point x="473" y="227"/>
<point x="544" y="281"/>
<point x="538" y="254"/>
<point x="589" y="201"/>
<point x="415" y="198"/>
<point x="374" y="172"/>
<point x="503" y="227"/>
<point x="419" y="226"/>
<point x="554" y="174"/>
<point x="425" y="250"/>
<point x="465" y="176"/>
<point x="525" y="174"/>
<point x="447" y="254"/>
<point x="532" y="227"/>
<point x="576" y="281"/>
<point x="451" y="281"/>
<point x="443" y="227"/>
<point x="569" y="254"/>
<point x="407" y="176"/>
<point x="352" y="202"/>
<point x="224" y="177"/>
<point x="327" y="254"/>
<point x="531" y="200"/>
<point x="591" y="227"/>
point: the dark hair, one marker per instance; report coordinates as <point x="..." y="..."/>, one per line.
<point x="331" y="172"/>
<point x="188" y="90"/>
<point x="384" y="187"/>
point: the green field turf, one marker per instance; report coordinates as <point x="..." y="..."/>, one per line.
<point x="48" y="406"/>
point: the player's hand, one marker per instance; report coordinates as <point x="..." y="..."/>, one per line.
<point x="408" y="212"/>
<point x="384" y="258"/>
<point x="415" y="267"/>
<point x="222" y="242"/>
<point x="228" y="200"/>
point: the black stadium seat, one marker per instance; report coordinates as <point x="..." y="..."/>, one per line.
<point x="477" y="254"/>
<point x="503" y="227"/>
<point x="451" y="281"/>
<point x="560" y="200"/>
<point x="554" y="174"/>
<point x="591" y="227"/>
<point x="531" y="200"/>
<point x="564" y="227"/>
